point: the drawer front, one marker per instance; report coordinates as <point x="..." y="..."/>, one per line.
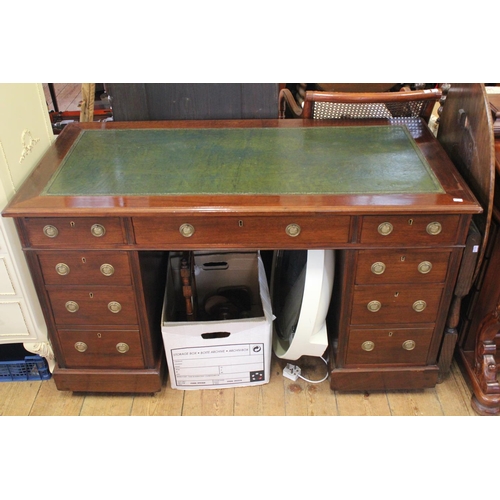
<point x="101" y="348"/>
<point x="417" y="230"/>
<point x="400" y="266"/>
<point x="392" y="304"/>
<point x="388" y="346"/>
<point x="75" y="232"/>
<point x="93" y="305"/>
<point x="85" y="268"/>
<point x="233" y="232"/>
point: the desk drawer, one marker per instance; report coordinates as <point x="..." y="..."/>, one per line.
<point x="85" y="268"/>
<point x="417" y="230"/>
<point x="389" y="346"/>
<point x="402" y="266"/>
<point x="93" y="305"/>
<point x="82" y="232"/>
<point x="236" y="232"/>
<point x="101" y="348"/>
<point x="393" y="304"/>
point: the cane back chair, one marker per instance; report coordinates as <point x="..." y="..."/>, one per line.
<point x="358" y="105"/>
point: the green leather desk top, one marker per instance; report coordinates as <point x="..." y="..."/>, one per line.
<point x="267" y="161"/>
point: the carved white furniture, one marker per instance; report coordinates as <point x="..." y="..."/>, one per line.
<point x="25" y="135"/>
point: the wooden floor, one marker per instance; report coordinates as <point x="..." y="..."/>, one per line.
<point x="280" y="397"/>
<point x="68" y="96"/>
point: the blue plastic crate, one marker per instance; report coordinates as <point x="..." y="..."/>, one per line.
<point x="29" y="368"/>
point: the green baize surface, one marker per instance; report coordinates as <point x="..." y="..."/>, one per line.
<point x="258" y="161"/>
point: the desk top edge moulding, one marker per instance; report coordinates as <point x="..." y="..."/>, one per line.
<point x="65" y="182"/>
<point x="369" y="190"/>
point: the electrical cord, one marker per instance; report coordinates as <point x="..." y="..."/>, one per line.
<point x="293" y="372"/>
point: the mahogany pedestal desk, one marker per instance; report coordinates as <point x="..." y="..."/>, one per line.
<point x="108" y="201"/>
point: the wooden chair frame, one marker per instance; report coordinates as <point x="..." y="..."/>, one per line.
<point x="430" y="97"/>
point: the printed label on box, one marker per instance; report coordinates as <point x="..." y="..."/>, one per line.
<point x="218" y="365"/>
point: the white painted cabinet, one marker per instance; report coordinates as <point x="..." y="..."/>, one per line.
<point x="25" y="135"/>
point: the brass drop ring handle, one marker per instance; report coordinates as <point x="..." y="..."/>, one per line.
<point x="409" y="345"/>
<point x="62" y="269"/>
<point x="122" y="347"/>
<point x="374" y="306"/>
<point x="50" y="231"/>
<point x="378" y="268"/>
<point x="385" y="228"/>
<point x="98" y="230"/>
<point x="81" y="346"/>
<point x="419" y="305"/>
<point x="71" y="306"/>
<point x="186" y="230"/>
<point x="434" y="228"/>
<point x="293" y="230"/>
<point x="368" y="346"/>
<point x="107" y="269"/>
<point x="115" y="307"/>
<point x="424" y="267"/>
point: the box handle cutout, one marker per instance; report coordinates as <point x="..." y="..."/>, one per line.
<point x="210" y="266"/>
<point x="215" y="335"/>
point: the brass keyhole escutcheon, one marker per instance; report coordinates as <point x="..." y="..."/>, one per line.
<point x="122" y="347"/>
<point x="71" y="306"/>
<point x="419" y="305"/>
<point x="62" y="269"/>
<point x="81" y="346"/>
<point x="187" y="230"/>
<point x="378" y="268"/>
<point x="98" y="230"/>
<point x="409" y="345"/>
<point x="50" y="231"/>
<point x="374" y="306"/>
<point x="107" y="269"/>
<point x="368" y="346"/>
<point x="434" y="228"/>
<point x="385" y="228"/>
<point x="293" y="230"/>
<point x="424" y="267"/>
<point x="115" y="307"/>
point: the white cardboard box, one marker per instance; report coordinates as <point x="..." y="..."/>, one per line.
<point x="218" y="353"/>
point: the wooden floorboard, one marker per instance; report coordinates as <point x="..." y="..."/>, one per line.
<point x="68" y="96"/>
<point x="279" y="397"/>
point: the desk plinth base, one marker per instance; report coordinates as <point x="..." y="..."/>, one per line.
<point x="92" y="380"/>
<point x="383" y="379"/>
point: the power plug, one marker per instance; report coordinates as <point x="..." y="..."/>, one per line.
<point x="291" y="371"/>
